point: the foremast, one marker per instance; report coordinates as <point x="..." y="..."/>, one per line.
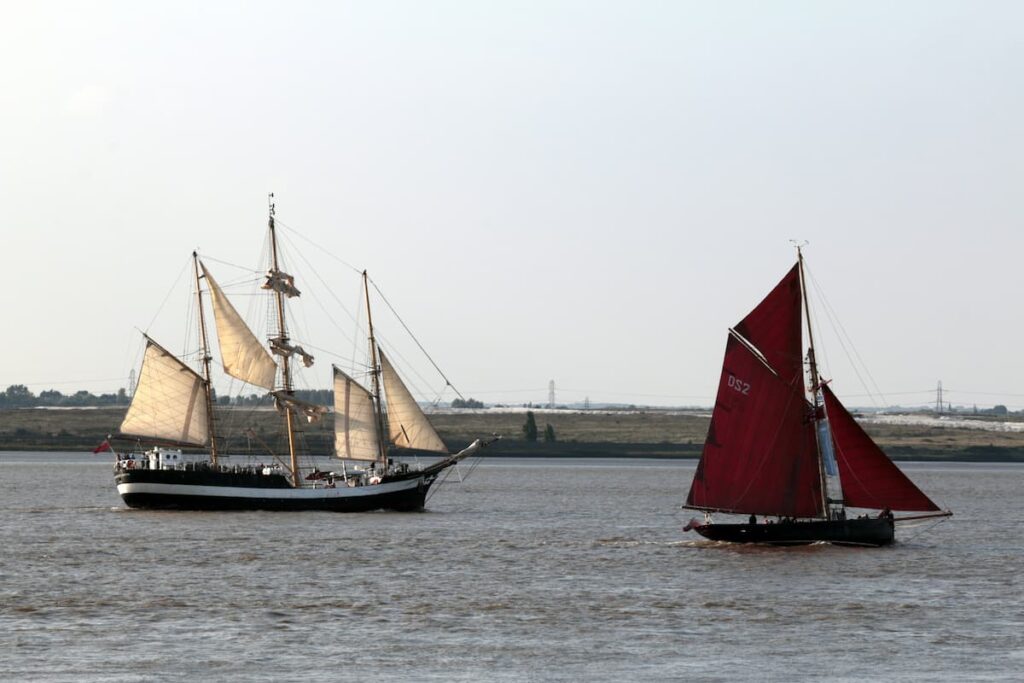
<point x="282" y="337"/>
<point x="204" y="350"/>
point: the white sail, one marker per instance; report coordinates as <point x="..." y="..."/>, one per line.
<point x="169" y="401"/>
<point x="355" y="425"/>
<point x="243" y="355"/>
<point x="408" y="427"/>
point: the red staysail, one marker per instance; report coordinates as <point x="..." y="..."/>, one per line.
<point x="773" y="327"/>
<point x="760" y="456"/>
<point x="870" y="479"/>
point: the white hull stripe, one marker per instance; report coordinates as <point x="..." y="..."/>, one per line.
<point x="279" y="494"/>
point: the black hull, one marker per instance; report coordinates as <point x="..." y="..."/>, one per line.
<point x="211" y="490"/>
<point x="855" y="532"/>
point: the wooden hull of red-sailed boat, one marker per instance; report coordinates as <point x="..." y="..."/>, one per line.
<point x="872" y="532"/>
<point x="777" y="449"/>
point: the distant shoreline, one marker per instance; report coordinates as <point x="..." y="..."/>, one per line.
<point x="513" y="449"/>
<point x="641" y="434"/>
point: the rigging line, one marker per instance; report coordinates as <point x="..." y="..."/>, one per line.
<point x="229" y="284"/>
<point x="395" y="354"/>
<point x="319" y="277"/>
<point x="974" y="393"/>
<point x="927" y="528"/>
<point x="294" y="313"/>
<point x="168" y="295"/>
<point x="896" y="393"/>
<point x="313" y="294"/>
<point x="441" y="480"/>
<point x="477" y="459"/>
<point x="249" y="269"/>
<point x="279" y="223"/>
<point x="417" y="341"/>
<point x="834" y="319"/>
<point x="330" y="353"/>
<point x="591" y="391"/>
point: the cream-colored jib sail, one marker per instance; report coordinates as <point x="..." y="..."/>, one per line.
<point x="355" y="424"/>
<point x="408" y="426"/>
<point x="243" y="355"/>
<point x="169" y="402"/>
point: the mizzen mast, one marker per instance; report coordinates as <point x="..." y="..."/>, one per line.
<point x="375" y="372"/>
<point x="204" y="349"/>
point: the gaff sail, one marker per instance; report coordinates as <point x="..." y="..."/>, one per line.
<point x="355" y="423"/>
<point x="773" y="328"/>
<point x="760" y="455"/>
<point x="169" y="403"/>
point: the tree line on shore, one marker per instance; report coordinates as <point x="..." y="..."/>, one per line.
<point x="20" y="396"/>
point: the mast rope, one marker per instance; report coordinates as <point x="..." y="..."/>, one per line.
<point x="926" y="528"/>
<point x="354" y="317"/>
<point x="306" y="262"/>
<point x="417" y="341"/>
<point x="233" y="265"/>
<point x="280" y="223"/>
<point x="841" y="334"/>
<point x="167" y="296"/>
<point x="446" y="473"/>
<point x="408" y="369"/>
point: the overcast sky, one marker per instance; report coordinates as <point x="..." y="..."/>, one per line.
<point x="589" y="192"/>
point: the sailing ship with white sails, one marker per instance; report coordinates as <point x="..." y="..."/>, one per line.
<point x="804" y="464"/>
<point x="172" y="409"/>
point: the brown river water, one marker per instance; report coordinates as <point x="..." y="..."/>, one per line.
<point x="530" y="570"/>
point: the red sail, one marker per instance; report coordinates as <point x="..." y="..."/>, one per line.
<point x="760" y="456"/>
<point x="869" y="477"/>
<point x="774" y="327"/>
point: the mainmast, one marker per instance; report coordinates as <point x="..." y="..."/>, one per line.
<point x="204" y="348"/>
<point x="815" y="385"/>
<point x="375" y="371"/>
<point x="282" y="336"/>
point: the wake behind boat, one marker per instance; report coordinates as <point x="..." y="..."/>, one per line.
<point x="770" y="452"/>
<point x="172" y="408"/>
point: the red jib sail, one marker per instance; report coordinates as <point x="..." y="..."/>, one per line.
<point x="760" y="455"/>
<point x="869" y="477"/>
<point x="773" y="327"/>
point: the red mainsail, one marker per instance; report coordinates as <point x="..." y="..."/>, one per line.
<point x="773" y="327"/>
<point x="870" y="479"/>
<point x="760" y="456"/>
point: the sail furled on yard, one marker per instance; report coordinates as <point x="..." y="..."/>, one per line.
<point x="760" y="455"/>
<point x="243" y="355"/>
<point x="870" y="479"/>
<point x="773" y="327"/>
<point x="355" y="422"/>
<point x="408" y="427"/>
<point x="169" y="403"/>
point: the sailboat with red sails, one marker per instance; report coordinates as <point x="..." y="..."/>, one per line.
<point x="794" y="457"/>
